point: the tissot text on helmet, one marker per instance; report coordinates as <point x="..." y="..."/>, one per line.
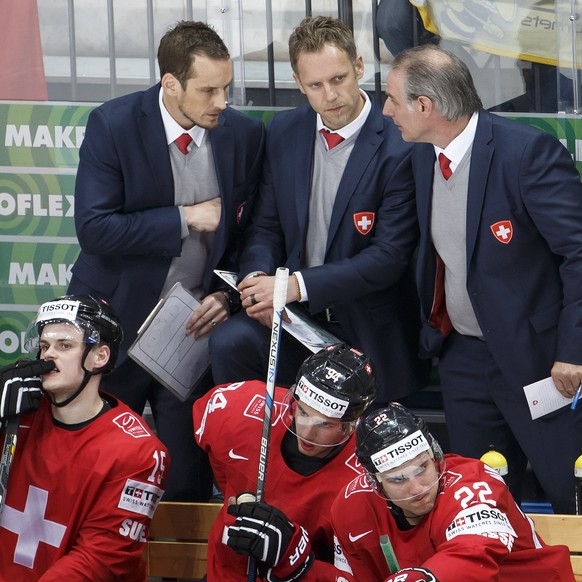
<point x="61" y="309"/>
<point x="401" y="452"/>
<point x="319" y="400"/>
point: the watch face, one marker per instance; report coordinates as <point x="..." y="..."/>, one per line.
<point x="233" y="299"/>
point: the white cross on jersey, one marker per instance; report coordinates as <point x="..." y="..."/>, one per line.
<point x="31" y="527"/>
<point x="364" y="223"/>
<point x="503" y="232"/>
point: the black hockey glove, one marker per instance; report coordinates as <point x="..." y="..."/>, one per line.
<point x="265" y="532"/>
<point x="20" y="386"/>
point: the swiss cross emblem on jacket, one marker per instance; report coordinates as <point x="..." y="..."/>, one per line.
<point x="364" y="221"/>
<point x="502" y="231"/>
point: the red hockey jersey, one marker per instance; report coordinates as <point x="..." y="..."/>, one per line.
<point x="228" y="424"/>
<point x="80" y="502"/>
<point x="475" y="532"/>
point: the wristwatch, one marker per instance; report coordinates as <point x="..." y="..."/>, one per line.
<point x="233" y="299"/>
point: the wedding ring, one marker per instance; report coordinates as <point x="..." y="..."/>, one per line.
<point x="213" y="323"/>
<point x="253" y="299"/>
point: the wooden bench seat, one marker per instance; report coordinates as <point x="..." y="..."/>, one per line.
<point x="178" y="538"/>
<point x="562" y="530"/>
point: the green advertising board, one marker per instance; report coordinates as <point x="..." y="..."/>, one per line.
<point x="37" y="181"/>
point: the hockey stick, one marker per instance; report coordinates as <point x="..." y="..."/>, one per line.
<point x="279" y="299"/>
<point x="7" y="455"/>
<point x="36" y="367"/>
<point x="389" y="554"/>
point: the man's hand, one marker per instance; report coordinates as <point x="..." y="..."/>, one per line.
<point x="257" y="297"/>
<point x="264" y="532"/>
<point x="213" y="310"/>
<point x="20" y="386"/>
<point x="567" y="378"/>
<point x="205" y="216"/>
<point x="412" y="575"/>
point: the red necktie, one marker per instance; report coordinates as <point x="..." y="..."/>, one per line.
<point x="445" y="163"/>
<point x="332" y="139"/>
<point x="183" y="142"/>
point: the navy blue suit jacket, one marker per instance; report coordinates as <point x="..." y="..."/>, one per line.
<point x="362" y="277"/>
<point x="526" y="291"/>
<point x="127" y="225"/>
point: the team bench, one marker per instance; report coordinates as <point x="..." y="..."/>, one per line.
<point x="178" y="538"/>
<point x="565" y="530"/>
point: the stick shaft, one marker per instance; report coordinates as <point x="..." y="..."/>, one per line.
<point x="279" y="297"/>
<point x="279" y="300"/>
<point x="8" y="449"/>
<point x="389" y="554"/>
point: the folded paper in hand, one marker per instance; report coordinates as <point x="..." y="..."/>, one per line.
<point x="543" y="397"/>
<point x="162" y="348"/>
<point x="302" y="328"/>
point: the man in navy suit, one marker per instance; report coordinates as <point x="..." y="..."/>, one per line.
<point x="340" y="217"/>
<point x="163" y="191"/>
<point x="499" y="268"/>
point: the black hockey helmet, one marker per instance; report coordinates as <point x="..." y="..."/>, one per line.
<point x="389" y="437"/>
<point x="340" y="372"/>
<point x="93" y="317"/>
<point x="338" y="383"/>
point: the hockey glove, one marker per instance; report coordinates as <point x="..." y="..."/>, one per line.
<point x="264" y="532"/>
<point x="412" y="575"/>
<point x="20" y="386"/>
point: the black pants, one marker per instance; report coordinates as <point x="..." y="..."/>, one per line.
<point x="483" y="409"/>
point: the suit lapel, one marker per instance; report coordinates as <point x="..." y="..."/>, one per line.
<point x="153" y="137"/>
<point x="367" y="144"/>
<point x="481" y="156"/>
<point x="302" y="158"/>
<point x="423" y="160"/>
<point x="223" y="146"/>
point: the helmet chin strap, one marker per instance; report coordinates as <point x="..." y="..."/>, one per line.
<point x="84" y="382"/>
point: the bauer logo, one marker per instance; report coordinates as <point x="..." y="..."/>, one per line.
<point x="401" y="452"/>
<point x="58" y="310"/>
<point x="319" y="400"/>
<point x="138" y="497"/>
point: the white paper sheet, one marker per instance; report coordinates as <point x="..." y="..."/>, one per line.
<point x="543" y="398"/>
<point x="303" y="329"/>
<point x="163" y="349"/>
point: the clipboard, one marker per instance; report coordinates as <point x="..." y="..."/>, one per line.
<point x="176" y="360"/>
<point x="302" y="328"/>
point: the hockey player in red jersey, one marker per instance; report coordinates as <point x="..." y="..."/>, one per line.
<point x="311" y="457"/>
<point x="420" y="516"/>
<point x="87" y="472"/>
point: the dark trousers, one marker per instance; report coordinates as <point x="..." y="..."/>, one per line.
<point x="482" y="409"/>
<point x="190" y="476"/>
